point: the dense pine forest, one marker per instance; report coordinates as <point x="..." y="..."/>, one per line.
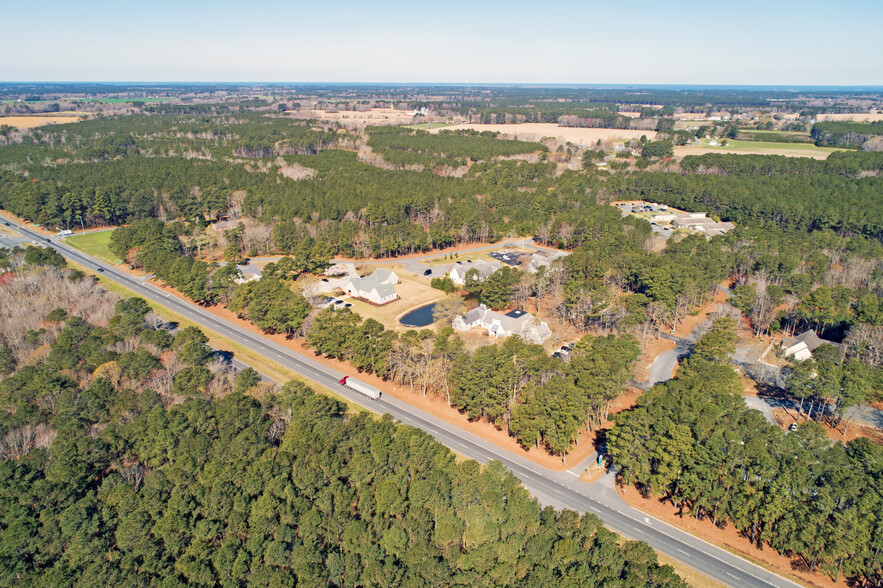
<point x="692" y="441"/>
<point x="130" y="454"/>
<point x="133" y="453"/>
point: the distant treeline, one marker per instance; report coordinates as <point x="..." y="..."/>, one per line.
<point x="843" y="163"/>
<point x="773" y="136"/>
<point x="845" y="134"/>
<point x="403" y="147"/>
<point x="563" y="114"/>
<point x="812" y="201"/>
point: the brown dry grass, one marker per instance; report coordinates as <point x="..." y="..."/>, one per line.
<point x="29" y="122"/>
<point x="373" y="116"/>
<point x="857" y="117"/>
<point x="537" y="131"/>
<point x="727" y="538"/>
<point x="413" y="292"/>
<point x="693" y="578"/>
<point x="783" y="150"/>
<point x="786" y="418"/>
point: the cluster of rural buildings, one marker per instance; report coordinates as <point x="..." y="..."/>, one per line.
<point x="666" y="220"/>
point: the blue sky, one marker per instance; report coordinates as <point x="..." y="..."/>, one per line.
<point x="775" y="42"/>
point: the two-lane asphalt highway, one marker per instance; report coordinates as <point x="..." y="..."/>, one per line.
<point x="559" y="489"/>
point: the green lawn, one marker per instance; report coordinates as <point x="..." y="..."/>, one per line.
<point x="767" y="147"/>
<point x="427" y="126"/>
<point x="95" y="244"/>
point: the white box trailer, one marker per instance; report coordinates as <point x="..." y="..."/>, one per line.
<point x="367" y="389"/>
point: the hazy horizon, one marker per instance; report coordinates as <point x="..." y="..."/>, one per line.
<point x="785" y="43"/>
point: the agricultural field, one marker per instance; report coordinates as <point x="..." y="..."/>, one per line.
<point x="96" y="244"/>
<point x="757" y="148"/>
<point x="30" y="122"/>
<point x="851" y="117"/>
<point x="430" y="126"/>
<point x="775" y="136"/>
<point x="537" y="131"/>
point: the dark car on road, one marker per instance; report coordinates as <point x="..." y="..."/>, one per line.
<point x="427" y="272"/>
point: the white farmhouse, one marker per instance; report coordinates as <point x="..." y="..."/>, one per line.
<point x="377" y="288"/>
<point x="485" y="268"/>
<point x="515" y="322"/>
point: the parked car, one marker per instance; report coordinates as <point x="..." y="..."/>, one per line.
<point x="324" y="279"/>
<point x="427" y="272"/>
<point x="793" y="427"/>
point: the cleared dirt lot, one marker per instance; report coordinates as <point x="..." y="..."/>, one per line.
<point x="29" y="122"/>
<point x="536" y="131"/>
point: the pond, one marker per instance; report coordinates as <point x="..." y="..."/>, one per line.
<point x="419" y="317"/>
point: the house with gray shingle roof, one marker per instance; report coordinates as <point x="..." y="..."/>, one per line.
<point x="485" y="268"/>
<point x="515" y="322"/>
<point x="378" y="288"/>
<point x="802" y="346"/>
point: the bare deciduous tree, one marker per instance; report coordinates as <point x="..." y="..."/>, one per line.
<point x="447" y="309"/>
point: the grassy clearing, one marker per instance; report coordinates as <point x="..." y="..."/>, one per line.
<point x="427" y="126"/>
<point x="271" y="369"/>
<point x="779" y="146"/>
<point x="757" y="147"/>
<point x="789" y="137"/>
<point x="96" y="244"/>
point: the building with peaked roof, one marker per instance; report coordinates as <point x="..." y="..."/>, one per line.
<point x="802" y="346"/>
<point x="378" y="288"/>
<point x="542" y="259"/>
<point x="515" y="322"/>
<point x="485" y="268"/>
<point x="248" y="273"/>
